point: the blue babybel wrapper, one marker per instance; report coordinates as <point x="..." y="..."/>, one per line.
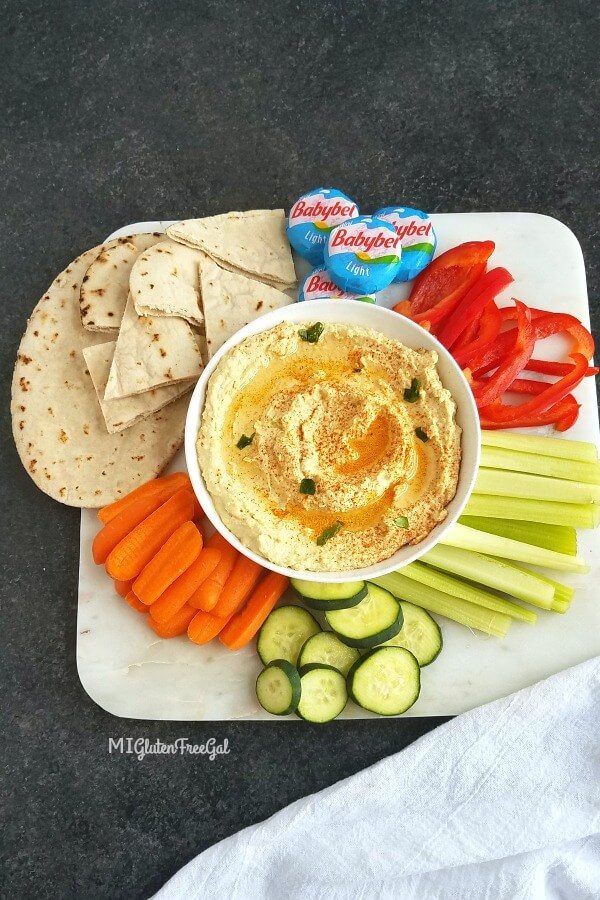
<point x="417" y="234"/>
<point x="363" y="255"/>
<point x="312" y="218"/>
<point x="318" y="286"/>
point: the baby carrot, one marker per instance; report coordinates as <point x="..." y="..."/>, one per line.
<point x="204" y="627"/>
<point x="161" y="488"/>
<point x="242" y="627"/>
<point x="135" y="602"/>
<point x="122" y="588"/>
<point x="174" y="557"/>
<point x="242" y="579"/>
<point x="135" y="551"/>
<point x="207" y="595"/>
<point x="122" y="524"/>
<point x="179" y="593"/>
<point x="175" y="626"/>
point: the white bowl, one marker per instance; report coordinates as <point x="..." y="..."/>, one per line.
<point x="395" y="326"/>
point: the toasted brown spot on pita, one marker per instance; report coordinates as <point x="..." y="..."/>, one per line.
<point x="36" y="333"/>
<point x="62" y="491"/>
<point x="22" y="408"/>
<point x="100" y="291"/>
<point x="155" y="337"/>
<point x="24" y="383"/>
<point x="62" y="436"/>
<point x="32" y="465"/>
<point x="85" y="278"/>
<point x="85" y="310"/>
<point x="24" y="359"/>
<point x="110" y="314"/>
<point x="162" y="352"/>
<point x="72" y="354"/>
<point x="86" y="429"/>
<point x="152" y="286"/>
<point x="137" y="458"/>
<point x="50" y="411"/>
<point x="259" y="305"/>
<point x="21" y="425"/>
<point x="47" y="474"/>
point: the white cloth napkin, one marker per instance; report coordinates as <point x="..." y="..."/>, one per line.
<point x="501" y="802"/>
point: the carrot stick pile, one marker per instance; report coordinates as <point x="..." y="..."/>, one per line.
<point x="152" y="546"/>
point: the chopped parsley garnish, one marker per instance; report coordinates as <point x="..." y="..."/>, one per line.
<point x="401" y="522"/>
<point x="244" y="441"/>
<point x="422" y="435"/>
<point x="311" y="335"/>
<point x="328" y="533"/>
<point x="411" y="394"/>
<point x="307" y="486"/>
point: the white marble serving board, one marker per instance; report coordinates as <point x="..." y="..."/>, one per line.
<point x="130" y="672"/>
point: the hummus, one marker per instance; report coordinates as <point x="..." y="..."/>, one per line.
<point x="330" y="455"/>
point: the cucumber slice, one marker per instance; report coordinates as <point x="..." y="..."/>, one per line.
<point x="420" y="634"/>
<point x="321" y="596"/>
<point x="326" y="648"/>
<point x="324" y="694"/>
<point x="374" y="620"/>
<point x="278" y="688"/>
<point x="386" y="681"/>
<point x="284" y="632"/>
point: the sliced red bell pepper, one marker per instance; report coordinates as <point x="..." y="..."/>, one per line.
<point x="569" y="419"/>
<point x="464" y="351"/>
<point x="526" y="386"/>
<point x="472" y="305"/>
<point x="545" y="367"/>
<point x="446" y="280"/>
<point x="545" y="324"/>
<point x="511" y="365"/>
<point x="561" y="412"/>
<point x="544" y="400"/>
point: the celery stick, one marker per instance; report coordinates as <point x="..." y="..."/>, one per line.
<point x="562" y="592"/>
<point x="456" y="587"/>
<point x="552" y="537"/>
<point x="481" y="542"/>
<point x="545" y="446"/>
<point x="560" y="606"/>
<point x="536" y="464"/>
<point x="535" y="487"/>
<point x="434" y="601"/>
<point x="575" y="515"/>
<point x="494" y="573"/>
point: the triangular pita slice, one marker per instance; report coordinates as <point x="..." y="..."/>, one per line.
<point x="151" y="351"/>
<point x="231" y="300"/>
<point x="164" y="281"/>
<point x="252" y="242"/>
<point x="105" y="285"/>
<point x="126" y="411"/>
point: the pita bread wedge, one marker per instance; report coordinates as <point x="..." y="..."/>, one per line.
<point x="151" y="351"/>
<point x="105" y="285"/>
<point x="59" y="430"/>
<point x="253" y="243"/>
<point x="125" y="412"/>
<point x="164" y="281"/>
<point x="231" y="300"/>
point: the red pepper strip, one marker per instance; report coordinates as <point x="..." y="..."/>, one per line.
<point x="446" y="280"/>
<point x="472" y="304"/>
<point x="489" y="328"/>
<point x="560" y="412"/>
<point x="512" y="364"/>
<point x="569" y="420"/>
<point x="549" y="397"/>
<point x="545" y="367"/>
<point x="470" y="333"/>
<point x="527" y="386"/>
<point x="545" y="324"/>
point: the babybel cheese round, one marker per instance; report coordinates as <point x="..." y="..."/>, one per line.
<point x="313" y="216"/>
<point x="417" y="235"/>
<point x="318" y="286"/>
<point x="363" y="254"/>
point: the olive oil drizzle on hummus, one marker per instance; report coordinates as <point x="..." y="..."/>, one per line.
<point x="302" y="370"/>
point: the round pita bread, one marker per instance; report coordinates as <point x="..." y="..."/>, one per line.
<point x="58" y="426"/>
<point x="105" y="285"/>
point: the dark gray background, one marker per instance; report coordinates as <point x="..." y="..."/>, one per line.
<point x="121" y="111"/>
